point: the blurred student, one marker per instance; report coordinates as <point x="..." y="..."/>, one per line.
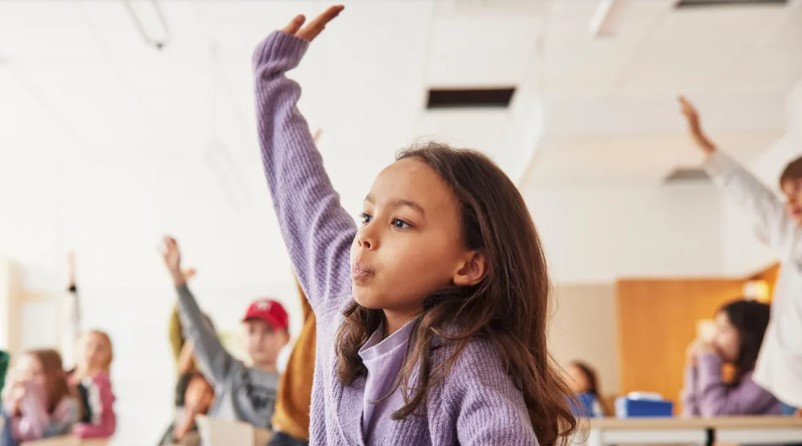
<point x="779" y="225"/>
<point x="194" y="395"/>
<point x="242" y="393"/>
<point x="291" y="421"/>
<point x="39" y="403"/>
<point x="90" y="376"/>
<point x="4" y="360"/>
<point x="736" y="340"/>
<point x="584" y="383"/>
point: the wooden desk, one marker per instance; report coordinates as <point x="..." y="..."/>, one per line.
<point x="70" y="440"/>
<point x="759" y="430"/>
<point x="696" y="431"/>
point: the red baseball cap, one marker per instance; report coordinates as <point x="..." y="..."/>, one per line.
<point x="269" y="311"/>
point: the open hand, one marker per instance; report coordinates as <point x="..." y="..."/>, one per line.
<point x="172" y="260"/>
<point x="695" y="126"/>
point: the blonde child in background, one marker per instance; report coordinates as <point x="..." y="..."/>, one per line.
<point x="90" y="376"/>
<point x="39" y="402"/>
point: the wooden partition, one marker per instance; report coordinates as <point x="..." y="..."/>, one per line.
<point x="657" y="321"/>
<point x="10" y="307"/>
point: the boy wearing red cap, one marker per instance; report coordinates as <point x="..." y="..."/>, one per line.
<point x="242" y="393"/>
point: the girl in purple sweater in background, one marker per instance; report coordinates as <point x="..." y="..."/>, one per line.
<point x="433" y="330"/>
<point x="738" y="335"/>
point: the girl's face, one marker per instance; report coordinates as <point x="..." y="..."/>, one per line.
<point x="409" y="243"/>
<point x="726" y="341"/>
<point x="577" y="380"/>
<point x="95" y="352"/>
<point x="792" y="189"/>
<point x="29" y="368"/>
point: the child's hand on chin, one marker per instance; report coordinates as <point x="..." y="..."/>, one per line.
<point x="14" y="396"/>
<point x="696" y="348"/>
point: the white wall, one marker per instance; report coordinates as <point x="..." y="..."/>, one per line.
<point x="599" y="234"/>
<point x="584" y="327"/>
<point x="604" y="215"/>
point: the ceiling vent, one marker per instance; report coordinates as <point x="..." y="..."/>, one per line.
<point x="470" y="98"/>
<point x="684" y="175"/>
<point x="695" y="3"/>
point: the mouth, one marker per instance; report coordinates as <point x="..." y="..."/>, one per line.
<point x="360" y="272"/>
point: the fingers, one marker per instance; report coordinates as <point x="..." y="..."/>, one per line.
<point x="294" y="25"/>
<point x="169" y="242"/>
<point x="686" y="105"/>
<point x="316" y="26"/>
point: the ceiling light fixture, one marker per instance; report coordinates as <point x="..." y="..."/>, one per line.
<point x="150" y="21"/>
<point x="605" y="18"/>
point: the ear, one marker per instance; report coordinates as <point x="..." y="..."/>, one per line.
<point x="472" y="270"/>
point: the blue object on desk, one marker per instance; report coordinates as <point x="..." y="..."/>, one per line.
<point x="627" y="407"/>
<point x="585" y="405"/>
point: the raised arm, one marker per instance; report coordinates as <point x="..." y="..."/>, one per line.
<point x="760" y="205"/>
<point x="71" y="316"/>
<point x="213" y="359"/>
<point x="317" y="230"/>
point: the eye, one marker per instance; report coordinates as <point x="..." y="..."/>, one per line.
<point x="400" y="224"/>
<point x="364" y="218"/>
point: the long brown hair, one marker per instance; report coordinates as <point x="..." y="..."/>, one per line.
<point x="751" y="319"/>
<point x="56" y="387"/>
<point x="509" y="307"/>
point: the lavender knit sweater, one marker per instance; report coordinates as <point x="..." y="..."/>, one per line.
<point x="477" y="404"/>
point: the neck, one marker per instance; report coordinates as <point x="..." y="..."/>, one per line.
<point x="85" y="372"/>
<point x="266" y="366"/>
<point x="394" y="320"/>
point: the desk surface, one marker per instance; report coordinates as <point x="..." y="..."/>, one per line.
<point x="702" y="423"/>
<point x="69" y="440"/>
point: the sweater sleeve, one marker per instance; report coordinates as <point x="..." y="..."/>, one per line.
<point x="490" y="408"/>
<point x="716" y="398"/>
<point x="101" y="399"/>
<point x="772" y="224"/>
<point x="35" y="422"/>
<point x="690" y="404"/>
<point x="214" y="361"/>
<point x="317" y="230"/>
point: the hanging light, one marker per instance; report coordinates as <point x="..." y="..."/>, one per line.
<point x="150" y="21"/>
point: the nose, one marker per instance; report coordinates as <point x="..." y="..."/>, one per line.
<point x="366" y="237"/>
